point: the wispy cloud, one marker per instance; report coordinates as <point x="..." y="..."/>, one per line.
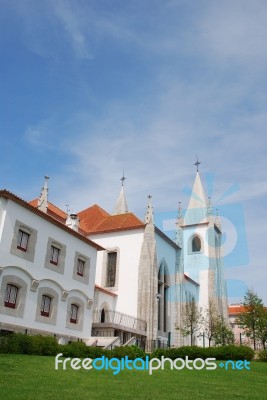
<point x="145" y="86"/>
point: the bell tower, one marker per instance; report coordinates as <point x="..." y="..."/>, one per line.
<point x="202" y="248"/>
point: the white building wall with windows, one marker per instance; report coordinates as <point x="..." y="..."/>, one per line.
<point x="30" y="271"/>
<point x="127" y="244"/>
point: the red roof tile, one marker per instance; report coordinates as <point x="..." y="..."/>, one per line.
<point x="237" y="309"/>
<point x="96" y="220"/>
<point x="91" y="217"/>
<point x="53" y="210"/>
<point x="120" y="222"/>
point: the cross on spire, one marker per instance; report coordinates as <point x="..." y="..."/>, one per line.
<point x="197" y="163"/>
<point x="122" y="179"/>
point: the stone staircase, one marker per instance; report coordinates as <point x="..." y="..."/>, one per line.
<point x="106" y="342"/>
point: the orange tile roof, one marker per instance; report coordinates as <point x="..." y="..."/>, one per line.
<point x="96" y="220"/>
<point x="236" y="309"/>
<point x="120" y="222"/>
<point x="91" y="217"/>
<point x="53" y="210"/>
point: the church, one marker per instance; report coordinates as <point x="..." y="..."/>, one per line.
<point x="107" y="279"/>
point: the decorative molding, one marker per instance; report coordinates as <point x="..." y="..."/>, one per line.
<point x="64" y="295"/>
<point x="34" y="285"/>
<point x="89" y="303"/>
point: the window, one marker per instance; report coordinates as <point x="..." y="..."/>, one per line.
<point x="46" y="305"/>
<point x="74" y="313"/>
<point x="54" y="257"/>
<point x="102" y="316"/>
<point x="23" y="240"/>
<point x="111" y="269"/>
<point x="11" y="296"/>
<point x="80" y="267"/>
<point x="196" y="244"/>
<point x="162" y="297"/>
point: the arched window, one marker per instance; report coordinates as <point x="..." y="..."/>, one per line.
<point x="46" y="305"/>
<point x="162" y="296"/>
<point x="102" y="316"/>
<point x="196" y="244"/>
<point x="74" y="313"/>
<point x="11" y="296"/>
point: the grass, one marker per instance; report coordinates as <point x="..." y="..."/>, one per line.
<point x="24" y="377"/>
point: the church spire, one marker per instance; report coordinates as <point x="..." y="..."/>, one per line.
<point x="121" y="204"/>
<point x="149" y="217"/>
<point x="43" y="198"/>
<point x="198" y="197"/>
<point x="197" y="207"/>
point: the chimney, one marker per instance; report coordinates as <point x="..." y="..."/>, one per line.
<point x="73" y="222"/>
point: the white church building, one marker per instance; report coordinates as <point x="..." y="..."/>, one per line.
<point x="107" y="279"/>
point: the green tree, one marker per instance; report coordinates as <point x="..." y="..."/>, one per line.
<point x="223" y="333"/>
<point x="261" y="327"/>
<point x="191" y="320"/>
<point x="254" y="318"/>
<point x="210" y="321"/>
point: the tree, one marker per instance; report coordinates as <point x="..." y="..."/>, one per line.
<point x="192" y="320"/>
<point x="261" y="327"/>
<point x="223" y="333"/>
<point x="254" y="318"/>
<point x="210" y="321"/>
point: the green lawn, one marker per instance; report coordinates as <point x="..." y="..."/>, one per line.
<point x="26" y="377"/>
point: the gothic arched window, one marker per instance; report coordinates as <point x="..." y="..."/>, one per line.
<point x="196" y="244"/>
<point x="162" y="296"/>
<point x="102" y="316"/>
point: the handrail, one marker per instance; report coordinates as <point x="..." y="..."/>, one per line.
<point x="115" y="317"/>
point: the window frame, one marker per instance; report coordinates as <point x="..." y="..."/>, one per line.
<point x="80" y="266"/>
<point x="55" y="262"/>
<point x="84" y="278"/>
<point x="18" y="247"/>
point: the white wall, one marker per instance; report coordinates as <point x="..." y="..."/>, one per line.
<point x="128" y="244"/>
<point x="27" y="270"/>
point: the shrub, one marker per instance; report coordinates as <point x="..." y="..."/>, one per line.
<point x="80" y="350"/>
<point x="122" y="351"/>
<point x="192" y="352"/>
<point x="230" y="352"/>
<point x="44" y="345"/>
<point x="24" y="344"/>
<point x="262" y="355"/>
<point x="233" y="352"/>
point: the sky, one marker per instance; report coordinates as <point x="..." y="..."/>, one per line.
<point x="89" y="88"/>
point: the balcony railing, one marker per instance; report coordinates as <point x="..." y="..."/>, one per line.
<point x="118" y="319"/>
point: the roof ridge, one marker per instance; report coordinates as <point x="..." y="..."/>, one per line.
<point x="95" y="206"/>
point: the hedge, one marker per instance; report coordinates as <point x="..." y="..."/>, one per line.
<point x="230" y="352"/>
<point x="48" y="346"/>
<point x="24" y="344"/>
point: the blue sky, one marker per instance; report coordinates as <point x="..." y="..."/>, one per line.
<point x="91" y="87"/>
